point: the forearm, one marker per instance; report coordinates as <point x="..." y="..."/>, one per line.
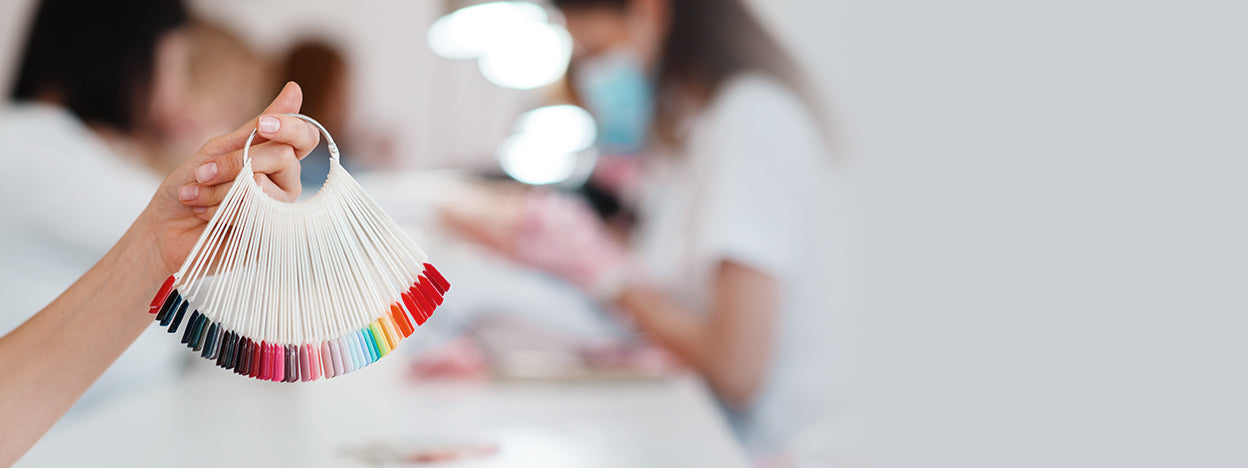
<point x="731" y="343"/>
<point x="731" y="366"/>
<point x="50" y="360"/>
<point x="660" y="319"/>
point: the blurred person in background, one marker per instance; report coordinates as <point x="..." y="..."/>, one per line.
<point x="730" y="265"/>
<point x="321" y="69"/>
<point x="100" y="87"/>
<point x="226" y="78"/>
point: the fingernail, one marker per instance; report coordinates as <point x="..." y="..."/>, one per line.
<point x="200" y="209"/>
<point x="188" y="192"/>
<point x="206" y="172"/>
<point x="269" y="124"/>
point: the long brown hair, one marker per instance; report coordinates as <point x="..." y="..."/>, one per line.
<point x="320" y="69"/>
<point x="708" y="42"/>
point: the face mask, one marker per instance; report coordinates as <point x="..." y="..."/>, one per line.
<point x="621" y="98"/>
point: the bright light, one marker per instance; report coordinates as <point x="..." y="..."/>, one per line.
<point x="548" y="144"/>
<point x="514" y="43"/>
<point x="534" y="160"/>
<point x="566" y="126"/>
<point x="534" y="55"/>
<point x="473" y="31"/>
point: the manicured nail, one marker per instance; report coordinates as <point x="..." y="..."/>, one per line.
<point x="270" y="124"/>
<point x="206" y="172"/>
<point x="200" y="209"/>
<point x="189" y="192"/>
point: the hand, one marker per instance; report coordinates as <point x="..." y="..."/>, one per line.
<point x="189" y="197"/>
<point x="94" y="320"/>
<point x="563" y="236"/>
<point x="554" y="233"/>
<point x="485" y="213"/>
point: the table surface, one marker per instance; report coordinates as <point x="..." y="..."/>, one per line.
<point x="213" y="418"/>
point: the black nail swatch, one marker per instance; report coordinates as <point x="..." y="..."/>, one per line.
<point x="177" y="319"/>
<point x="164" y="308"/>
<point x="190" y="326"/>
<point x="168" y="315"/>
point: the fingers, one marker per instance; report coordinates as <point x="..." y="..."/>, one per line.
<point x="191" y="193"/>
<point x="286" y="135"/>
<point x="205" y="201"/>
<point x="277" y="168"/>
<point x="280" y="141"/>
<point x="272" y="158"/>
<point x="273" y="190"/>
<point x="296" y="132"/>
<point x="274" y="164"/>
<point x="288" y="100"/>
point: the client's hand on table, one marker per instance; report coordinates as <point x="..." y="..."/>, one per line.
<point x="548" y="231"/>
<point x="459" y="359"/>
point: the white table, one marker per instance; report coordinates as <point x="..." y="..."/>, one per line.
<point x="212" y="419"/>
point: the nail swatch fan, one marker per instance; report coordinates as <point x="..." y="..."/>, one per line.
<point x="299" y="291"/>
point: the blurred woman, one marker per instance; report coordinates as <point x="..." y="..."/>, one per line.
<point x="323" y="73"/>
<point x="324" y="69"/>
<point x="226" y="78"/>
<point x="729" y="267"/>
<point x="100" y="86"/>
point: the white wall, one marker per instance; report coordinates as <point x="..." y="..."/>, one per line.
<point x="1054" y="225"/>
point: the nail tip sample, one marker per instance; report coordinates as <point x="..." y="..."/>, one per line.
<point x="306" y="362"/>
<point x="437" y="277"/>
<point x="190" y="326"/>
<point x="161" y="295"/>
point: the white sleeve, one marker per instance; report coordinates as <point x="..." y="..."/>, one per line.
<point x="755" y="149"/>
<point x="83" y="202"/>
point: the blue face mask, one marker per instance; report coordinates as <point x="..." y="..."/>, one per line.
<point x="620" y="96"/>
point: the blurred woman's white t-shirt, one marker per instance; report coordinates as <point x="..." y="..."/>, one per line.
<point x="756" y="185"/>
<point x="65" y="200"/>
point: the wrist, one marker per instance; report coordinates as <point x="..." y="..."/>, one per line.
<point x="139" y="251"/>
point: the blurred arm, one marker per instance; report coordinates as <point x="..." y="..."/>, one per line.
<point x="731" y="344"/>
